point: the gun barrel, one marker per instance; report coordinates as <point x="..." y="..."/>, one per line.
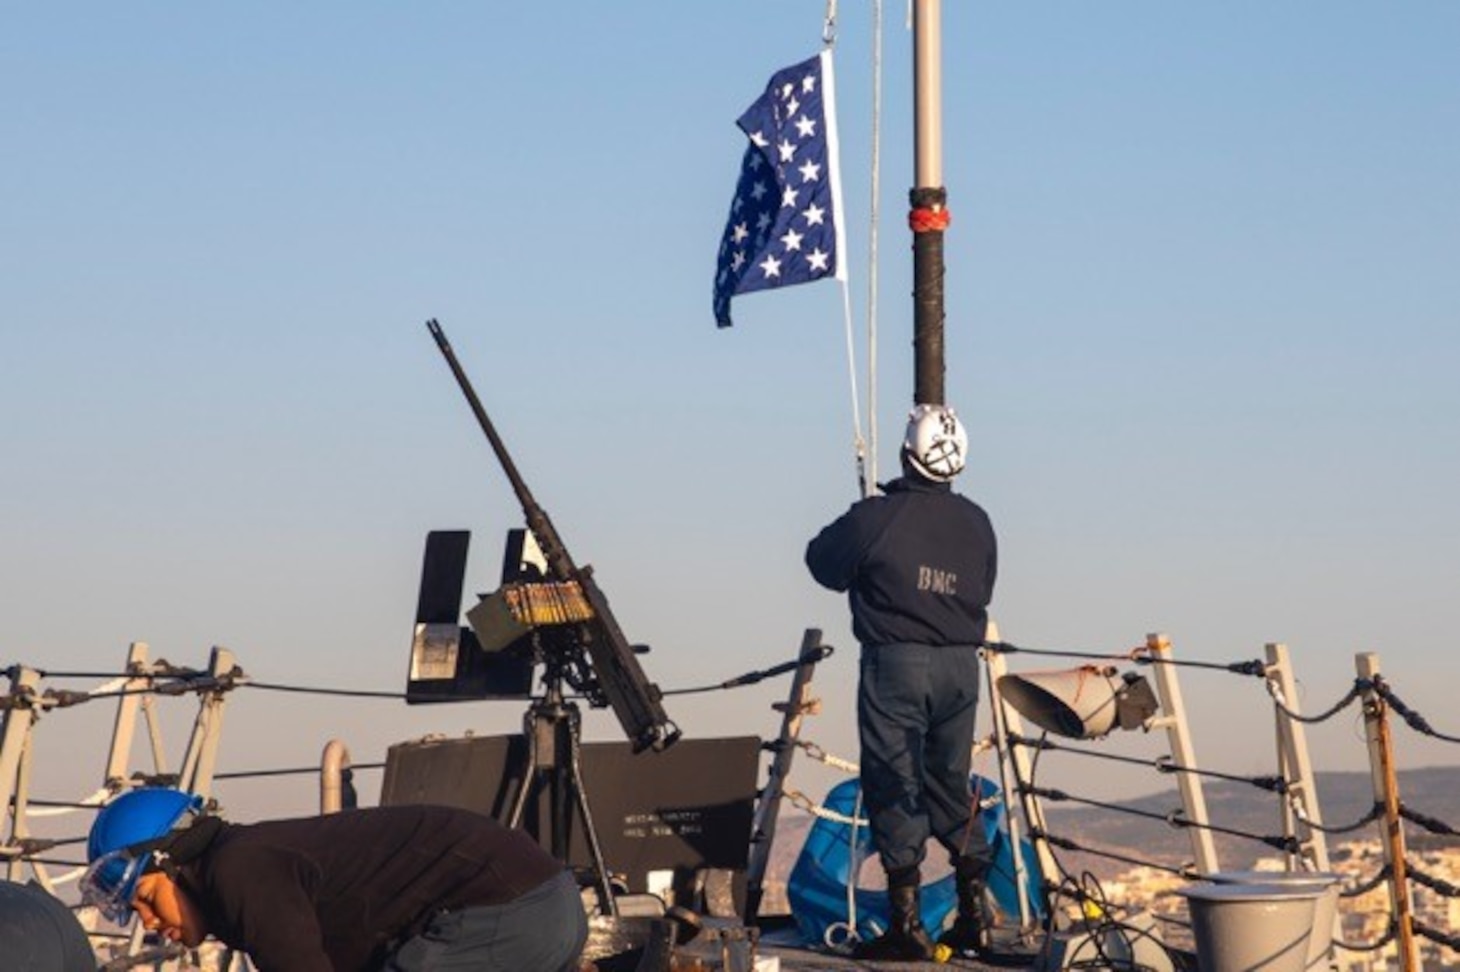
<point x="542" y="528"/>
<point x="621" y="680"/>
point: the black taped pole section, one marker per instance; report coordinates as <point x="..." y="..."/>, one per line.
<point x="929" y="216"/>
<point x="928" y="312"/>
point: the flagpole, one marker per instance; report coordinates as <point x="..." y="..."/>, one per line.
<point x="929" y="201"/>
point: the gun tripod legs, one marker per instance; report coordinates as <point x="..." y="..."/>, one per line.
<point x="552" y="731"/>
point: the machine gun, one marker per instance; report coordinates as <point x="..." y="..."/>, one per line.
<point x="583" y="644"/>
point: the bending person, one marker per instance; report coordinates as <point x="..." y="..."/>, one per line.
<point x="389" y="889"/>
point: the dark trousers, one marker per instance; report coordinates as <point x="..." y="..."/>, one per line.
<point x="542" y="931"/>
<point x="915" y="716"/>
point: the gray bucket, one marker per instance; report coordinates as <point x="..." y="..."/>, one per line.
<point x="1251" y="927"/>
<point x="1325" y="914"/>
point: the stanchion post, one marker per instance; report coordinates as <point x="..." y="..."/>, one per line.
<point x="1295" y="765"/>
<point x="201" y="758"/>
<point x="1178" y="733"/>
<point x="1386" y="793"/>
<point x="124" y="727"/>
<point x="1016" y="758"/>
<point x="763" y="830"/>
<point x="20" y="718"/>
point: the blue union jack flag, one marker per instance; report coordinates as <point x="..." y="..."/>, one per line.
<point x="785" y="223"/>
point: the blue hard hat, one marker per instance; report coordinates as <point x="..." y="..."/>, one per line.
<point x="123" y="837"/>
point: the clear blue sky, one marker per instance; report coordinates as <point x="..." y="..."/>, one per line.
<point x="1203" y="322"/>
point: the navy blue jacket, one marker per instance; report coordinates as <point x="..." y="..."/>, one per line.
<point x="918" y="564"/>
<point x="334" y="893"/>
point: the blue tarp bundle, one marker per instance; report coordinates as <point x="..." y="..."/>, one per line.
<point x="818" y="885"/>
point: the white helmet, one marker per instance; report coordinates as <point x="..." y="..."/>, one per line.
<point x="935" y="444"/>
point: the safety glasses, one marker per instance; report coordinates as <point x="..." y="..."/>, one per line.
<point x="110" y="883"/>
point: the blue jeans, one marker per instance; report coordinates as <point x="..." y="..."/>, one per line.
<point x="542" y="931"/>
<point x="915" y="716"/>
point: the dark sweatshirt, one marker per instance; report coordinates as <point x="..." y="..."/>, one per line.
<point x="332" y="893"/>
<point x="918" y="565"/>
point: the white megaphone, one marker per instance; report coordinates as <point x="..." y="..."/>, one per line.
<point x="1080" y="703"/>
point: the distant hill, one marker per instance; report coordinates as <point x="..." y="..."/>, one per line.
<point x="1343" y="799"/>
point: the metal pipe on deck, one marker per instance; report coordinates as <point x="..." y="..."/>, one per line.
<point x="335" y="791"/>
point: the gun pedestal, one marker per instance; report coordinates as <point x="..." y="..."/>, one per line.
<point x="552" y="730"/>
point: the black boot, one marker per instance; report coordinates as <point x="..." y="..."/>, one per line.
<point x="906" y="940"/>
<point x="969" y="935"/>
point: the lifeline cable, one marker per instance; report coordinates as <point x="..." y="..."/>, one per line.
<point x="819" y="654"/>
<point x="56" y="804"/>
<point x="1375" y="812"/>
<point x="1161" y="764"/>
<point x="1136" y="656"/>
<point x="1364" y="887"/>
<point x="1288" y="845"/>
<point x="1354" y="694"/>
<point x="1064" y="843"/>
<point x="739" y="681"/>
<point x="351" y="693"/>
<point x="1374" y="946"/>
<point x="161" y="668"/>
<point x="1415" y="721"/>
<point x="1438" y="885"/>
<point x="29" y="846"/>
<point x="1432" y="824"/>
<point x="298" y="771"/>
<point x="13" y="670"/>
<point x="65" y="698"/>
<point x="1451" y="942"/>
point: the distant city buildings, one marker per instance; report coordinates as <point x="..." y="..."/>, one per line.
<point x="1364" y="919"/>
